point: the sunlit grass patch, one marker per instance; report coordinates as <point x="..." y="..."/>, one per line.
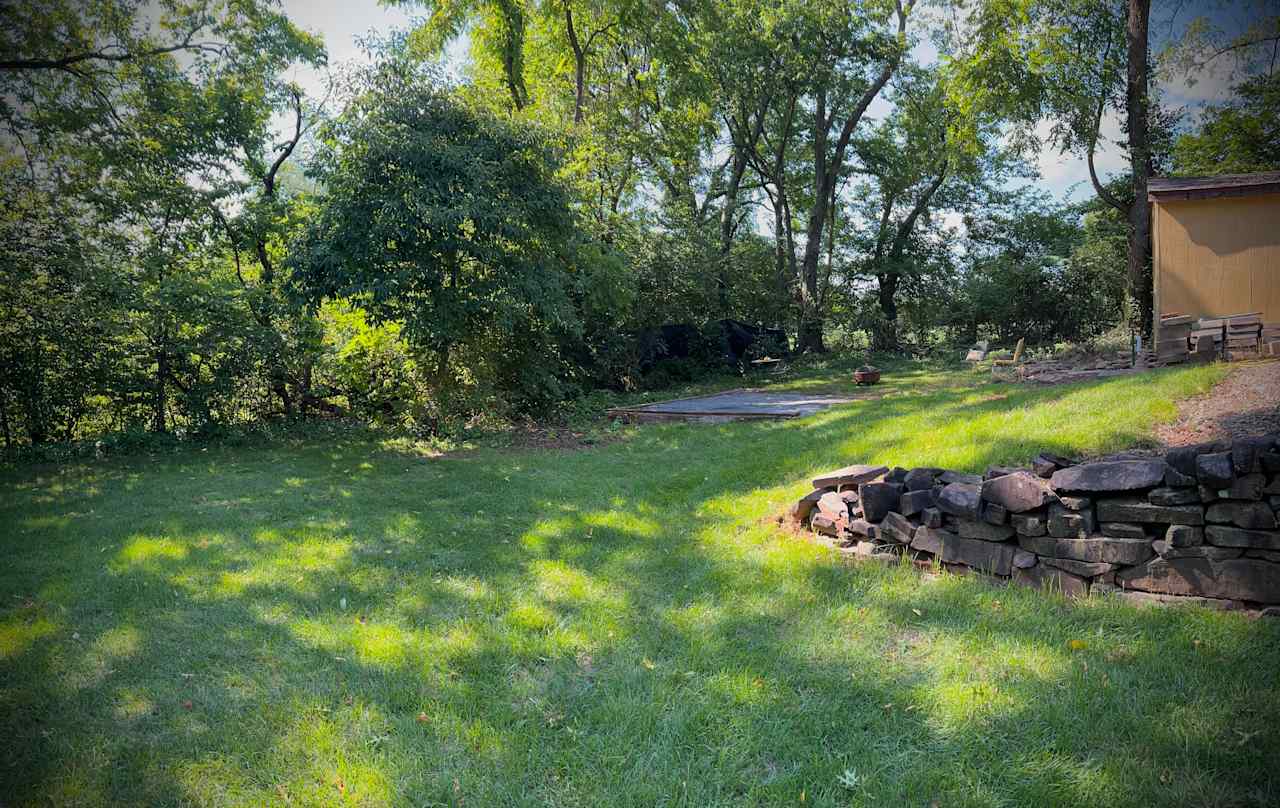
<point x="370" y="624"/>
<point x="19" y="631"/>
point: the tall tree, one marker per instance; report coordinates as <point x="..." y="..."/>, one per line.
<point x="1068" y="62"/>
<point x="906" y="159"/>
<point x="1136" y="117"/>
<point x="849" y="51"/>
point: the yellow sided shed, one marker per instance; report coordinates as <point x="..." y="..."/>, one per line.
<point x="1216" y="245"/>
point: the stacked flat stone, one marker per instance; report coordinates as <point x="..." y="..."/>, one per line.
<point x="1200" y="522"/>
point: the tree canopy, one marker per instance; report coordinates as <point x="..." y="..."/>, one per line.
<point x="193" y="243"/>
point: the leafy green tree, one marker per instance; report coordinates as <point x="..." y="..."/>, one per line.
<point x="847" y="53"/>
<point x="906" y="160"/>
<point x="1238" y="136"/>
<point x="155" y="120"/>
<point x="1036" y="270"/>
<point x="371" y="366"/>
<point x="450" y="222"/>
<point x="1068" y="62"/>
<point x="60" y="319"/>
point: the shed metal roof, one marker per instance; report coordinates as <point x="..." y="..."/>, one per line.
<point x="1178" y="189"/>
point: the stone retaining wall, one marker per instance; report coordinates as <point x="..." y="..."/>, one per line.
<point x="1201" y="522"/>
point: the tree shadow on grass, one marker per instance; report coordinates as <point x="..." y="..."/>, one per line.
<point x="601" y="633"/>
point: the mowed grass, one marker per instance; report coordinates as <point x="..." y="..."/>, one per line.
<point x="622" y="625"/>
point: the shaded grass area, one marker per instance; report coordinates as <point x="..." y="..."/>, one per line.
<point x="625" y="625"/>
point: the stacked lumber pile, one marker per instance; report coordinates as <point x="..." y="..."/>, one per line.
<point x="1200" y="522"/>
<point x="1269" y="345"/>
<point x="1244" y="332"/>
<point x="1175" y="336"/>
<point x="1207" y="336"/>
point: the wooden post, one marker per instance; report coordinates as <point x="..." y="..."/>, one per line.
<point x="1155" y="275"/>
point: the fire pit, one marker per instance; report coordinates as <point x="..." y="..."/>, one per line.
<point x="866" y="375"/>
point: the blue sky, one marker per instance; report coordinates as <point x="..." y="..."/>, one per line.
<point x="342" y="22"/>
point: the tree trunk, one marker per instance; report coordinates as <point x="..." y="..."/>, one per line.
<point x="826" y="170"/>
<point x="744" y="145"/>
<point x="779" y="256"/>
<point x="810" y="336"/>
<point x="889" y="276"/>
<point x="579" y="64"/>
<point x="887" y="337"/>
<point x="727" y="213"/>
<point x="1139" y="155"/>
<point x="4" y="422"/>
<point x="286" y="400"/>
<point x="159" y="402"/>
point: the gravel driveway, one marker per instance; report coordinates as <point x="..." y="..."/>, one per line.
<point x="1247" y="402"/>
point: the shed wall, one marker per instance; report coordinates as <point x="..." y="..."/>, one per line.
<point x="1219" y="256"/>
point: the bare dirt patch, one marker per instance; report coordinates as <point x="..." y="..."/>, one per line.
<point x="1247" y="402"/>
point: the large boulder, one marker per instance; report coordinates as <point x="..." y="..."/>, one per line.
<point x="1027" y="524"/>
<point x="1184" y="536"/>
<point x="914" y="502"/>
<point x="1173" y="496"/>
<point x="1137" y="510"/>
<point x="921" y="479"/>
<point x="1052" y="580"/>
<point x="982" y="555"/>
<point x="960" y="499"/>
<point x="849" y="475"/>
<point x="1017" y="492"/>
<point x="1215" y="470"/>
<point x="878" y="499"/>
<point x="1223" y="536"/>
<point x="1095" y="548"/>
<point x="1236" y="579"/>
<point x="1122" y="530"/>
<point x="983" y="530"/>
<point x="1182" y="459"/>
<point x="1246" y="454"/>
<point x="897" y="527"/>
<point x="1113" y="475"/>
<point x="833" y="505"/>
<point x="929" y="540"/>
<point x="1248" y="486"/>
<point x="1085" y="569"/>
<point x="801" y="510"/>
<point x="1251" y="515"/>
<point x="1065" y="524"/>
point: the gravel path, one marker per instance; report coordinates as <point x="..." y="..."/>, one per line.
<point x="1247" y="402"/>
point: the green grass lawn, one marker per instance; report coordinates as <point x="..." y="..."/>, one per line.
<point x="354" y="623"/>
